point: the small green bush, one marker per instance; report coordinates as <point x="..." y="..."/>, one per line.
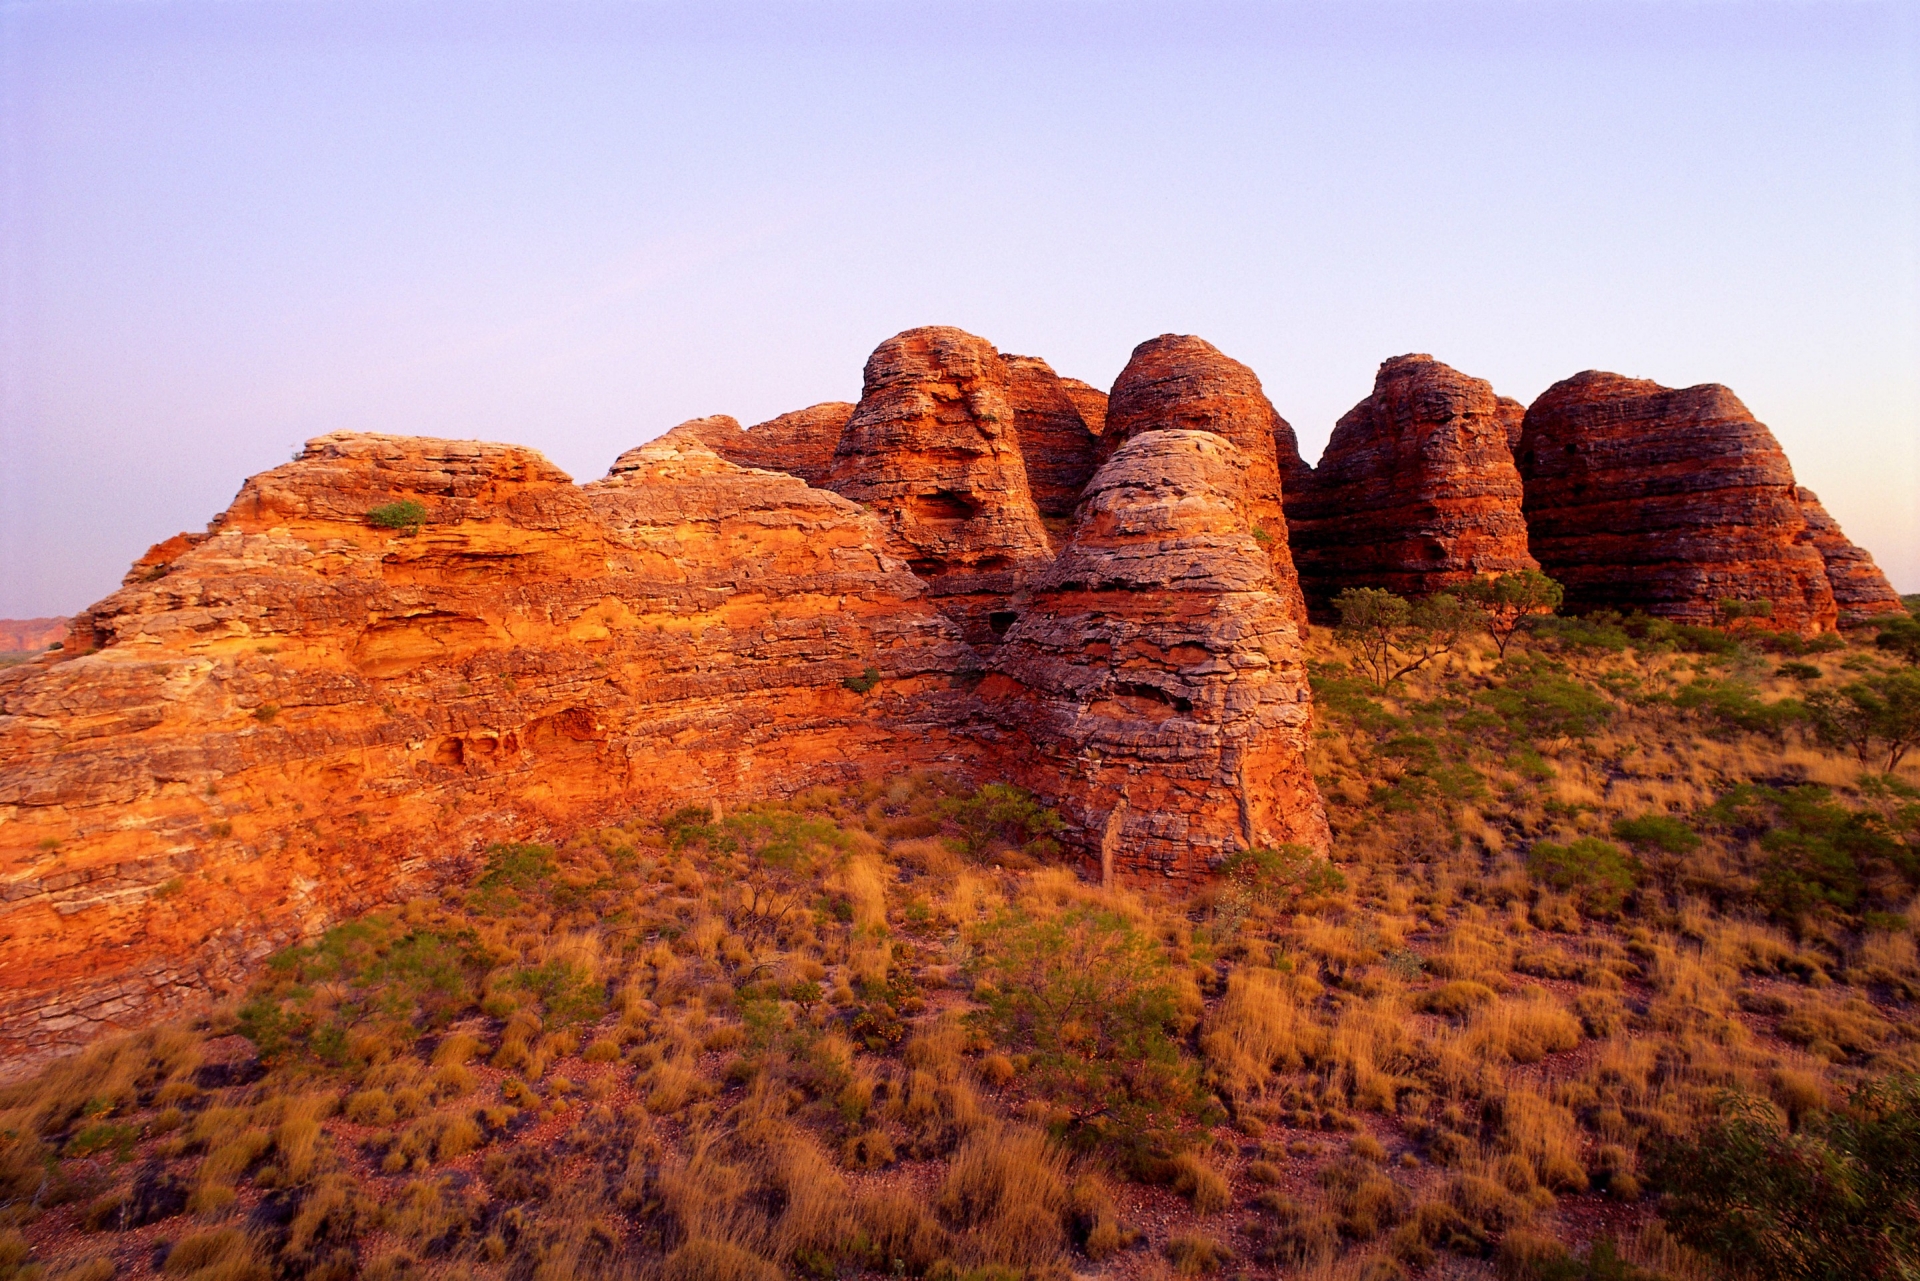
<point x="1599" y="873"/>
<point x="405" y="514"/>
<point x="865" y="682"/>
<point x="1657" y="831"/>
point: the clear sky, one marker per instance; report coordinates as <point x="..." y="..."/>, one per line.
<point x="227" y="227"/>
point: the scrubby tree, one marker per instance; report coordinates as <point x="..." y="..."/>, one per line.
<point x="1838" y="1201"/>
<point x="1900" y="634"/>
<point x="1510" y="602"/>
<point x="1390" y="636"/>
<point x="1861" y="715"/>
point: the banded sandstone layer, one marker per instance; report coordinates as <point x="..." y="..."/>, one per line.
<point x="1645" y="497"/>
<point x="1416" y="492"/>
<point x="1157" y="668"/>
<point x="1860" y="591"/>
<point x="301" y="715"/>
<point x="1180" y="381"/>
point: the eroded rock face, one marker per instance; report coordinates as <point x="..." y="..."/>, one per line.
<point x="1090" y="401"/>
<point x="1417" y="490"/>
<point x="933" y="452"/>
<point x="1156" y="671"/>
<point x="1178" y="381"/>
<point x="1860" y="590"/>
<point x="800" y="443"/>
<point x="1646" y="497"/>
<point x="300" y="716"/>
<point x="1059" y="450"/>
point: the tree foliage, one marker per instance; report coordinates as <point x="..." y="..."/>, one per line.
<point x="1838" y="1201"/>
<point x="1390" y="636"/>
<point x="1510" y="603"/>
<point x="1881" y="712"/>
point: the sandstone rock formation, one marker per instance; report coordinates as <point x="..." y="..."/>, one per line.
<point x="1156" y="670"/>
<point x="1513" y="418"/>
<point x="30" y="635"/>
<point x="800" y="443"/>
<point x="1058" y="448"/>
<point x="1090" y="401"/>
<point x="933" y="452"/>
<point x="300" y="715"/>
<point x="1179" y="381"/>
<point x="1645" y="497"/>
<point x="1860" y="590"/>
<point x="1416" y="491"/>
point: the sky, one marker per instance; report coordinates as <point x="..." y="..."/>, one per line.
<point x="227" y="227"/>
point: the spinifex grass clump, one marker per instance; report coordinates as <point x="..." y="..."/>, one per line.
<point x="897" y="1030"/>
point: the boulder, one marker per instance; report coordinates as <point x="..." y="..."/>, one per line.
<point x="1416" y="492"/>
<point x="1643" y="497"/>
<point x="1155" y="675"/>
<point x="1178" y="381"/>
<point x="1860" y="591"/>
<point x="932" y="451"/>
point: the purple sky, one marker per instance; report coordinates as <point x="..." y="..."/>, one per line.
<point x="227" y="227"/>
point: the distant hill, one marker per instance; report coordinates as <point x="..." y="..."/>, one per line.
<point x="30" y="635"/>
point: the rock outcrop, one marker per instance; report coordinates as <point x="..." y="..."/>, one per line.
<point x="302" y="714"/>
<point x="932" y="451"/>
<point x="800" y="443"/>
<point x="1182" y="382"/>
<point x="1059" y="450"/>
<point x="1156" y="671"/>
<point x="1860" y="590"/>
<point x="1645" y="497"/>
<point x="1416" y="492"/>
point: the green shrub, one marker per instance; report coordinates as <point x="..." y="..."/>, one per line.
<point x="1599" y="873"/>
<point x="1838" y="1201"/>
<point x="1091" y="997"/>
<point x="865" y="682"/>
<point x="1738" y="704"/>
<point x="1283" y="876"/>
<point x="1539" y="702"/>
<point x="1657" y="831"/>
<point x="405" y="514"/>
<point x="1003" y="812"/>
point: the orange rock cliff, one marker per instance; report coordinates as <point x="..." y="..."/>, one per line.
<point x="307" y="711"/>
<point x="392" y="652"/>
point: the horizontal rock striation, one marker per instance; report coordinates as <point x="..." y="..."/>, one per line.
<point x="1178" y="381"/>
<point x="301" y="714"/>
<point x="1860" y="591"/>
<point x="1416" y="492"/>
<point x="1645" y="497"/>
<point x="1156" y="671"/>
